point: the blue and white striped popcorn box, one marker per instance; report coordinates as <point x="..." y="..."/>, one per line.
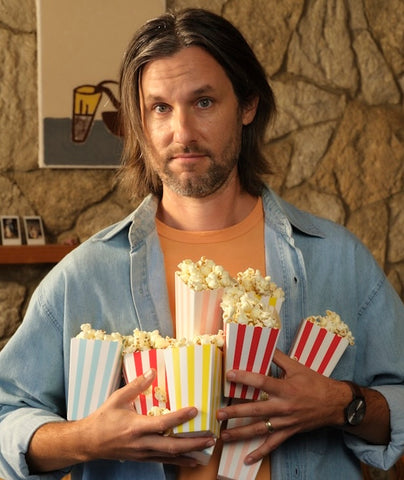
<point x="94" y="373"/>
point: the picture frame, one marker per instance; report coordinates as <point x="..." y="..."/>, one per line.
<point x="80" y="50"/>
<point x="10" y="230"/>
<point x="34" y="232"/>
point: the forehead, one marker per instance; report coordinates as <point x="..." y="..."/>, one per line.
<point x="192" y="67"/>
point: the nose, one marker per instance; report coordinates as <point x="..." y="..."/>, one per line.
<point x="183" y="127"/>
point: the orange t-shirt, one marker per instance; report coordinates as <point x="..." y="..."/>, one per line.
<point x="235" y="248"/>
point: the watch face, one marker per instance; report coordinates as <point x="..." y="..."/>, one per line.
<point x="355" y="411"/>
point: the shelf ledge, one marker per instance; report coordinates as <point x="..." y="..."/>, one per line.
<point x="28" y="254"/>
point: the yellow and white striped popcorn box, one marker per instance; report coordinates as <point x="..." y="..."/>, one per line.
<point x="194" y="378"/>
<point x="94" y="373"/>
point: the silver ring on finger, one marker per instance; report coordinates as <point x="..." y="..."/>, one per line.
<point x="269" y="426"/>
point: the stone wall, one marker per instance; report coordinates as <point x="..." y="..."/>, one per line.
<point x="337" y="147"/>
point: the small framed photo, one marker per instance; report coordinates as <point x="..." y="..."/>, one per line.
<point x="10" y="230"/>
<point x="34" y="230"/>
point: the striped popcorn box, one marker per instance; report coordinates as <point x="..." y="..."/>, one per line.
<point x="134" y="365"/>
<point x="94" y="373"/>
<point x="196" y="312"/>
<point x="232" y="466"/>
<point x="194" y="378"/>
<point x="248" y="348"/>
<point x="318" y="348"/>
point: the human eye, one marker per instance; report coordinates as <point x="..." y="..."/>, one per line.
<point x="161" y="108"/>
<point x="205" y="102"/>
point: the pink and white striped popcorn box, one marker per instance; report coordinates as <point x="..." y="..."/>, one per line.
<point x="249" y="348"/>
<point x="134" y="365"/>
<point x="196" y="312"/>
<point x="317" y="348"/>
<point x="94" y="373"/>
<point x="194" y="378"/>
<point x="232" y="466"/>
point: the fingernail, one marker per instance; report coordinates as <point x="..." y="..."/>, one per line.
<point x="249" y="460"/>
<point x="221" y="416"/>
<point x="224" y="436"/>
<point x="231" y="375"/>
<point x="193" y="412"/>
<point x="210" y="443"/>
<point x="148" y="374"/>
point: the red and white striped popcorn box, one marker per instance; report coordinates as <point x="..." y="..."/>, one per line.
<point x="232" y="466"/>
<point x="248" y="348"/>
<point x="196" y="312"/>
<point x="94" y="373"/>
<point x="134" y="365"/>
<point x="317" y="348"/>
<point x="194" y="378"/>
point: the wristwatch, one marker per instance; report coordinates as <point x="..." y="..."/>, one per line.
<point x="356" y="409"/>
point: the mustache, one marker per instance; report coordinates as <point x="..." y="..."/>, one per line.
<point x="189" y="149"/>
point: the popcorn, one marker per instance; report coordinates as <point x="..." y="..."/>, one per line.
<point x="203" y="274"/>
<point x="253" y="300"/>
<point x="157" y="411"/>
<point x="321" y="341"/>
<point x="89" y="333"/>
<point x="141" y="340"/>
<point x="332" y="322"/>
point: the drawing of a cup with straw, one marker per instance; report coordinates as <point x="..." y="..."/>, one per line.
<point x="85" y="102"/>
<point x="86" y="99"/>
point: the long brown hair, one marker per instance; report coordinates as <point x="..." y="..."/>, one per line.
<point x="166" y="35"/>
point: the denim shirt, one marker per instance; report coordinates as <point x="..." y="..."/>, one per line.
<point x="116" y="281"/>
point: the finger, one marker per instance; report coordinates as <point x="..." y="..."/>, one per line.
<point x="256" y="380"/>
<point x="270" y="444"/>
<point x="129" y="392"/>
<point x="247" y="409"/>
<point x="162" y="423"/>
<point x="174" y="446"/>
<point x="244" y="429"/>
<point x="283" y="361"/>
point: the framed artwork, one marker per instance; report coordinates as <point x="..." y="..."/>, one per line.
<point x="80" y="49"/>
<point x="10" y="230"/>
<point x="34" y="232"/>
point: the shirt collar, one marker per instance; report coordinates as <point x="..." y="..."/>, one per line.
<point x="280" y="214"/>
<point x="283" y="216"/>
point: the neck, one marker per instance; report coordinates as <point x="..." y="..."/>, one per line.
<point x="215" y="212"/>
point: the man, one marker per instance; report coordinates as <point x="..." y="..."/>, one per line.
<point x="195" y="106"/>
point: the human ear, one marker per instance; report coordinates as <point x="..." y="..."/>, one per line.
<point x="249" y="110"/>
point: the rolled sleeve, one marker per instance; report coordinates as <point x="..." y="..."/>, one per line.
<point x="384" y="456"/>
<point x="16" y="430"/>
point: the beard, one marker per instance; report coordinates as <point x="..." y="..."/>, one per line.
<point x="198" y="185"/>
<point x="191" y="183"/>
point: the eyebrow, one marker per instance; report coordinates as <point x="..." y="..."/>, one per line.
<point x="203" y="90"/>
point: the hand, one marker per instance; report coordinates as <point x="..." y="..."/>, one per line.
<point x="300" y="401"/>
<point x="118" y="432"/>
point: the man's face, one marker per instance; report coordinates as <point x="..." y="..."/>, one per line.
<point x="192" y="122"/>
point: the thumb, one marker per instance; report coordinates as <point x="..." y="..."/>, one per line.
<point x="130" y="391"/>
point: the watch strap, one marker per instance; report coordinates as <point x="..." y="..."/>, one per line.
<point x="356" y="391"/>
